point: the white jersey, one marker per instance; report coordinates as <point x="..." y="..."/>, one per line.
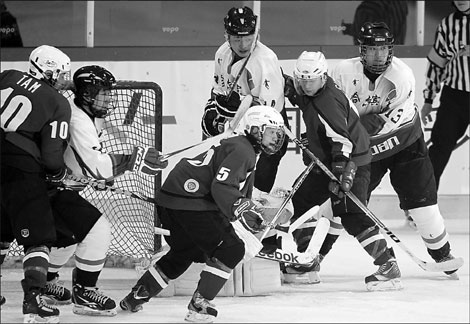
<point x="84" y="154"/>
<point x="386" y="106"/>
<point x="262" y="76"/>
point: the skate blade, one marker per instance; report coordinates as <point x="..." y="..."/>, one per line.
<point x="393" y="284"/>
<point x="35" y="318"/>
<point x="195" y="317"/>
<point x="83" y="310"/>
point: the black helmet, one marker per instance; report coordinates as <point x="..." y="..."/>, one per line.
<point x="240" y="21"/>
<point x="88" y="81"/>
<point x="375" y="34"/>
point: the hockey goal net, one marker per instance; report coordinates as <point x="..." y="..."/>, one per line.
<point x="137" y="120"/>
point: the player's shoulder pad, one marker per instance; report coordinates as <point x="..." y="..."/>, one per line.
<point x="398" y="72"/>
<point x="223" y="50"/>
<point x="350" y="65"/>
<point x="238" y="145"/>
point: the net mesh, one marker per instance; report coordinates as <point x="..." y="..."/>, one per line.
<point x="135" y="121"/>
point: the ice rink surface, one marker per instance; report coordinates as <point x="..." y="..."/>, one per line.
<point x="341" y="297"/>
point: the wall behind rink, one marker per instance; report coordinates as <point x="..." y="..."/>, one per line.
<point x="186" y="87"/>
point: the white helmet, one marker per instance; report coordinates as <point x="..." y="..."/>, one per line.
<point x="310" y="67"/>
<point x="49" y="64"/>
<point x="264" y="127"/>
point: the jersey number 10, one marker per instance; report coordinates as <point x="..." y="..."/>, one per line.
<point x="17" y="111"/>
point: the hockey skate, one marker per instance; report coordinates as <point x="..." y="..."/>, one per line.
<point x="452" y="274"/>
<point x="36" y="310"/>
<point x="56" y="294"/>
<point x="387" y="277"/>
<point x="200" y="310"/>
<point x="303" y="274"/>
<point x="135" y="299"/>
<point x="91" y="301"/>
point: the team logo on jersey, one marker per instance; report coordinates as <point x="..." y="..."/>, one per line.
<point x="355" y="98"/>
<point x="266" y="83"/>
<point x="355" y="81"/>
<point x="25" y="232"/>
<point x="191" y="185"/>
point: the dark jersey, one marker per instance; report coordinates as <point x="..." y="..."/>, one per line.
<point x="35" y="122"/>
<point x="213" y="180"/>
<point x="334" y="131"/>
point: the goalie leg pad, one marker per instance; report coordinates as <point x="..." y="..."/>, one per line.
<point x="252" y="244"/>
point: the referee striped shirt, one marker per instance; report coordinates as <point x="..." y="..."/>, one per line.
<point x="449" y="58"/>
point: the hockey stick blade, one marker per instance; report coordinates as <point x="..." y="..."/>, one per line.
<point x="448" y="265"/>
<point x="428" y="266"/>
<point x="244" y="105"/>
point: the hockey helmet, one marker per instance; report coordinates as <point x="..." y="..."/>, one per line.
<point x="89" y="81"/>
<point x="376" y="46"/>
<point x="264" y="128"/>
<point x="310" y="72"/>
<point x="50" y="64"/>
<point x="240" y="21"/>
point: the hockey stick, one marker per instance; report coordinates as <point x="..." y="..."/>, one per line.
<point x="302" y="219"/>
<point x="428" y="266"/>
<point x="102" y="186"/>
<point x="295" y="187"/>
<point x="244" y="105"/>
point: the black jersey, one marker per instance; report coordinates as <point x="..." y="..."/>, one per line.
<point x="35" y="123"/>
<point x="334" y="130"/>
<point x="213" y="180"/>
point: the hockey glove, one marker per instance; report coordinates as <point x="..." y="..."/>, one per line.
<point x="212" y="123"/>
<point x="289" y="88"/>
<point x="146" y="160"/>
<point x="345" y="173"/>
<point x="249" y="214"/>
<point x="227" y="106"/>
<point x="305" y="158"/>
<point x="56" y="179"/>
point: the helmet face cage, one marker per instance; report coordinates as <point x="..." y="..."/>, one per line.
<point x="310" y="72"/>
<point x="240" y="22"/>
<point x="264" y="127"/>
<point x="89" y="81"/>
<point x="51" y="65"/>
<point x="376" y="47"/>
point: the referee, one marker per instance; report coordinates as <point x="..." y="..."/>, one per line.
<point x="449" y="63"/>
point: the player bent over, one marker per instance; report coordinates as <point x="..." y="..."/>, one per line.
<point x="35" y="122"/>
<point x="336" y="136"/>
<point x="197" y="203"/>
<point x="77" y="219"/>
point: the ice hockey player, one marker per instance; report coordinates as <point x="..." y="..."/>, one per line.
<point x="382" y="87"/>
<point x="260" y="75"/>
<point x="337" y="138"/>
<point x="197" y="203"/>
<point x="83" y="229"/>
<point x="35" y="122"/>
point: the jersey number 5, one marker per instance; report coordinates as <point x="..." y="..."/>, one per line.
<point x="18" y="109"/>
